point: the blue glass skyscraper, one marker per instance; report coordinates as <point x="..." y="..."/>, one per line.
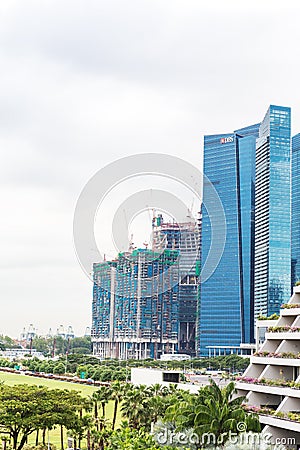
<point x="251" y="172"/>
<point x="295" y="209"/>
<point x="273" y="211"/>
<point x="226" y="298"/>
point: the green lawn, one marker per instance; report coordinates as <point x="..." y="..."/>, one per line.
<point x="14" y="378"/>
<point x="54" y="435"/>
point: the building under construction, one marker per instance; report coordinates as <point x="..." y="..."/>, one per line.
<point x="145" y="301"/>
<point x="185" y="238"/>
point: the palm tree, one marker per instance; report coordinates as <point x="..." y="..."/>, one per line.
<point x="102" y="397"/>
<point x="117" y="393"/>
<point x="213" y="414"/>
<point x="156" y="389"/>
<point x="156" y="407"/>
<point x="143" y="405"/>
<point x="133" y="405"/>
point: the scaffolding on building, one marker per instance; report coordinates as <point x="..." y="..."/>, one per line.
<point x="184" y="236"/>
<point x="135" y="306"/>
<point x="145" y="301"/>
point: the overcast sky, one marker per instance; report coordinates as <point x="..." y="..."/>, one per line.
<point x="83" y="83"/>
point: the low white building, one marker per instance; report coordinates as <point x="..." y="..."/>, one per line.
<point x="175" y="357"/>
<point x="244" y="350"/>
<point x="141" y="375"/>
<point x="20" y="353"/>
<point x="271" y="382"/>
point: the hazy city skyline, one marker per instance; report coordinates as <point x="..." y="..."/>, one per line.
<point x="85" y="84"/>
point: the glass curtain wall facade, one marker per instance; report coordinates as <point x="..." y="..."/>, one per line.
<point x="295" y="209"/>
<point x="273" y="212"/>
<point x="226" y="298"/>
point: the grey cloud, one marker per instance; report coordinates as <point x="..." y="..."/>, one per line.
<point x="84" y="83"/>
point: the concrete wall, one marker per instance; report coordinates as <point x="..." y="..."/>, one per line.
<point x="285" y="321"/>
<point x="270" y="346"/>
<point x="154" y="376"/>
<point x="289" y="345"/>
<point x="263" y="399"/>
<point x="290" y="404"/>
<point x="254" y="370"/>
<point x="286" y="437"/>
<point x="146" y="376"/>
<point x="278" y="372"/>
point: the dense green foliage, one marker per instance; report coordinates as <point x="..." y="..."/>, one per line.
<point x="25" y="409"/>
<point x="130" y="439"/>
<point x="114" y="370"/>
<point x="7" y="343"/>
<point x="60" y="346"/>
<point x="28" y="409"/>
<point x="272" y="317"/>
<point x="213" y="410"/>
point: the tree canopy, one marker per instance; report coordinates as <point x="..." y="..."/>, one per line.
<point x="25" y="409"/>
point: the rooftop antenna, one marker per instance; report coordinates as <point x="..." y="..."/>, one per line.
<point x="190" y="210"/>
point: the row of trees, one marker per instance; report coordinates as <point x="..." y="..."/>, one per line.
<point x="114" y="370"/>
<point x="96" y="372"/>
<point x="109" y="370"/>
<point x="49" y="346"/>
<point x="59" y="345"/>
<point x="25" y="410"/>
<point x="7" y="342"/>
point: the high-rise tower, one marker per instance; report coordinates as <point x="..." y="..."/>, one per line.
<point x="183" y="237"/>
<point x="226" y="298"/>
<point x="135" y="305"/>
<point x="295" y="209"/>
<point x="273" y="211"/>
<point x="145" y="301"/>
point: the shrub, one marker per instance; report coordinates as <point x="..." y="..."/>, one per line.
<point x="290" y="305"/>
<point x="272" y="317"/>
<point x="283" y="329"/>
<point x="59" y="369"/>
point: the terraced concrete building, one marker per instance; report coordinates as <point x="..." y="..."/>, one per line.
<point x="271" y="382"/>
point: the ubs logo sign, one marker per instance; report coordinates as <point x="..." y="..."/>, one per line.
<point x="225" y="140"/>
